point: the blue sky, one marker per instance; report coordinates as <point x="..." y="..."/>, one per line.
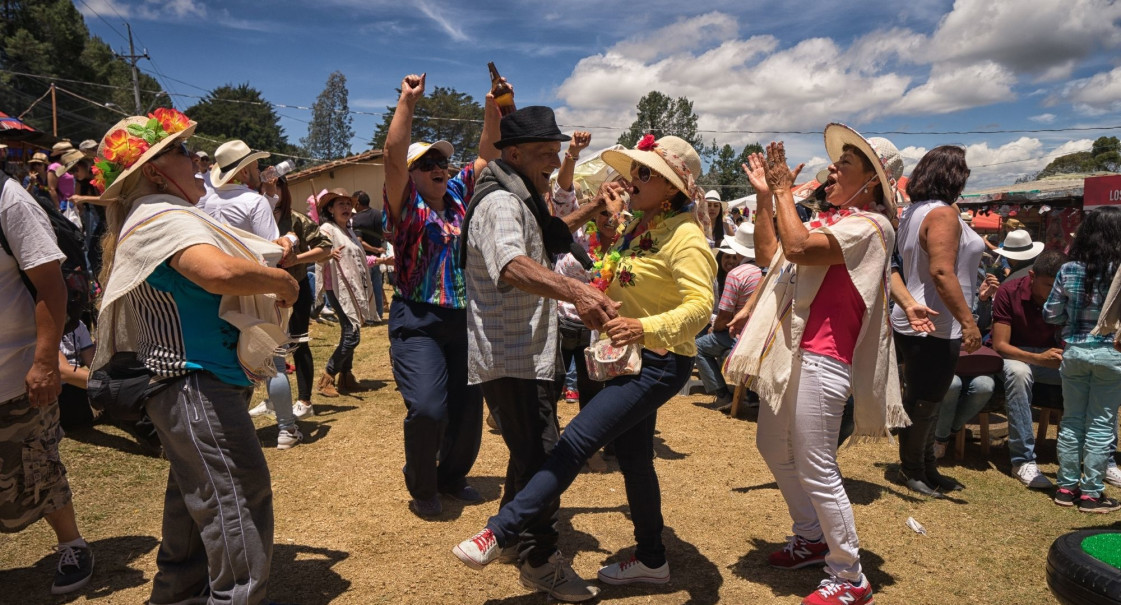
<point x="919" y="67"/>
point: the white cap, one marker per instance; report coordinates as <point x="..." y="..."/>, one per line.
<point x="418" y="149"/>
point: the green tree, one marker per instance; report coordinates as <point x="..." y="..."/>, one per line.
<point x="725" y="173"/>
<point x="49" y="38"/>
<point x="444" y="113"/>
<point x="329" y="133"/>
<point x="660" y="115"/>
<point x="240" y="112"/>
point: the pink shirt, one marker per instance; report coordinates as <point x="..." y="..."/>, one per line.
<point x="836" y="315"/>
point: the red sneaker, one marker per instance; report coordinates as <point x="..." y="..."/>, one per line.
<point x="571" y="396"/>
<point x="798" y="553"/>
<point x="835" y="591"/>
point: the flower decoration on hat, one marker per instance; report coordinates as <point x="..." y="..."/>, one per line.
<point x="647" y="143"/>
<point x="123" y="147"/>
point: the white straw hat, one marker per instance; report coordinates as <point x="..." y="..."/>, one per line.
<point x="230" y="158"/>
<point x="1018" y="245"/>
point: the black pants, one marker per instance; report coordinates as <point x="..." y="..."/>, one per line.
<point x="444" y="423"/>
<point x="342" y="360"/>
<point x="575" y="337"/>
<point x="928" y="371"/>
<point x="298" y="329"/>
<point x="527" y="413"/>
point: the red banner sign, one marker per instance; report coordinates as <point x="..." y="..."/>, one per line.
<point x="1102" y="191"/>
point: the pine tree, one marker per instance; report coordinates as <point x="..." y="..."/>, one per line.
<point x="660" y="115"/>
<point x="329" y="134"/>
<point x="443" y="114"/>
<point x="240" y="112"/>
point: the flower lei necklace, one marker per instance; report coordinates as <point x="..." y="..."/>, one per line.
<point x="603" y="268"/>
<point x="121" y="148"/>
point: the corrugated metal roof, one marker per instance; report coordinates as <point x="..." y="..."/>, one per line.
<point x="366" y="157"/>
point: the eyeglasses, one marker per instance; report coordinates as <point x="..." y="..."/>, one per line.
<point x="431" y="162"/>
<point x="181" y="148"/>
<point x="643" y="173"/>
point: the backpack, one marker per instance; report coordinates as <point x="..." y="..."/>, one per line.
<point x="75" y="269"/>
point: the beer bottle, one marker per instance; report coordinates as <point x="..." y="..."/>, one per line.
<point x="503" y="94"/>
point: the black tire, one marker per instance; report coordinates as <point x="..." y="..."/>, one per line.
<point x="1076" y="578"/>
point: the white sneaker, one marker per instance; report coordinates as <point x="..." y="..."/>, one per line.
<point x="262" y="409"/>
<point x="1028" y="474"/>
<point x="302" y="409"/>
<point x="1113" y="475"/>
<point x="288" y="438"/>
<point x="557" y="579"/>
<point x="633" y="571"/>
<point x="478" y="550"/>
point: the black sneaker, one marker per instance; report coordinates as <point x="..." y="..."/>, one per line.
<point x="1101" y="504"/>
<point x="75" y="567"/>
<point x="1066" y="497"/>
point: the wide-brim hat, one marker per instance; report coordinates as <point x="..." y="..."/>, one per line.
<point x="38" y="158"/>
<point x="1018" y="245"/>
<point x="533" y="124"/>
<point x="88" y="145"/>
<point x="330" y="196"/>
<point x="622" y="159"/>
<point x="61" y="147"/>
<point x="230" y="158"/>
<point x="69" y="160"/>
<point x="202" y="155"/>
<point x="117" y="142"/>
<point x="881" y="152"/>
<point x="713" y="196"/>
<point x="743" y="242"/>
<point x="418" y="149"/>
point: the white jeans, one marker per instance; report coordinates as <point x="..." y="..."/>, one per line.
<point x="799" y="445"/>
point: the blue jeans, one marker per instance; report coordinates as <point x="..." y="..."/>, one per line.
<point x="959" y="406"/>
<point x="1091" y="394"/>
<point x="280" y="396"/>
<point x="1018" y="380"/>
<point x="710" y="358"/>
<point x="624" y="412"/>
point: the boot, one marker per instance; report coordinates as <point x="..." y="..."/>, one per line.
<point x="326" y="386"/>
<point x="349" y="383"/>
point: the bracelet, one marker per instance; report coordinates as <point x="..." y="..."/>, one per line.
<point x="574" y="158"/>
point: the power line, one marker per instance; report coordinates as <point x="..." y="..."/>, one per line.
<point x="98" y="15"/>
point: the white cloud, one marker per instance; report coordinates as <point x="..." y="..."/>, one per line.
<point x="951" y="88"/>
<point x="170" y="10"/>
<point x="1097" y="94"/>
<point x="1041" y="37"/>
<point x="1002" y="165"/>
<point x="1043" y="118"/>
<point x="445" y="24"/>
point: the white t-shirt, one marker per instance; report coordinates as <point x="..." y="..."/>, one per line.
<point x="74" y="342"/>
<point x="241" y="207"/>
<point x="32" y="241"/>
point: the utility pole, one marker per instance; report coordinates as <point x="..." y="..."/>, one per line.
<point x="54" y="112"/>
<point x="133" y="58"/>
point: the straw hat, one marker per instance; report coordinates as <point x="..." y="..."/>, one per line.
<point x="61" y="147"/>
<point x="132" y="142"/>
<point x="230" y="158"/>
<point x="671" y="157"/>
<point x="742" y="243"/>
<point x="1018" y="245"/>
<point x="418" y="149"/>
<point x="38" y="158"/>
<point x="330" y="196"/>
<point x="68" y="161"/>
<point x="883" y="154"/>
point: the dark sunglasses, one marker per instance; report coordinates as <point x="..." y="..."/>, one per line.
<point x="181" y="148"/>
<point x="431" y="162"/>
<point x="644" y="173"/>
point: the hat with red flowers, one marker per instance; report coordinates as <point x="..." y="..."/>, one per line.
<point x="132" y="142"/>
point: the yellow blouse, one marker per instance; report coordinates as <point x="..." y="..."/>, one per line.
<point x="665" y="280"/>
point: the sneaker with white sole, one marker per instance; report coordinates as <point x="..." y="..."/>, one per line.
<point x="75" y="568"/>
<point x="1113" y="475"/>
<point x="478" y="550"/>
<point x="1028" y="474"/>
<point x="633" y="571"/>
<point x="837" y="591"/>
<point x="262" y="409"/>
<point x="798" y="553"/>
<point x="302" y="409"/>
<point x="287" y="439"/>
<point x="557" y="579"/>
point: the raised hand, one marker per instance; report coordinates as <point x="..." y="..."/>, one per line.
<point x="412" y="88"/>
<point x="756" y="174"/>
<point x="779" y="176"/>
<point x="580" y="141"/>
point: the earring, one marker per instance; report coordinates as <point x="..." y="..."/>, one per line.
<point x="666" y="206"/>
<point x="161" y="186"/>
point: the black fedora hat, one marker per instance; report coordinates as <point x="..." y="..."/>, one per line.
<point x="532" y="124"/>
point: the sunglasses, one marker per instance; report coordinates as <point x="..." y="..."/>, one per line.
<point x="430" y="162"/>
<point x="643" y="173"/>
<point x="181" y="148"/>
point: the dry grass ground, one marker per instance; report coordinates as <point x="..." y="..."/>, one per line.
<point x="344" y="534"/>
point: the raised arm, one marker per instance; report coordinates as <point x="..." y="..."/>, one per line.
<point x="766" y="240"/>
<point x="580" y="142"/>
<point x="491" y="131"/>
<point x="397" y="144"/>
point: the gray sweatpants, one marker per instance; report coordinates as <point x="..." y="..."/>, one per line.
<point x="217" y="521"/>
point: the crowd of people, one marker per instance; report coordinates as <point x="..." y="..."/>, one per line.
<point x="863" y="318"/>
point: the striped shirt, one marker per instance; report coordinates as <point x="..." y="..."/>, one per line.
<point x="164" y="304"/>
<point x="1068" y="307"/>
<point x="427" y="244"/>
<point x="739" y="286"/>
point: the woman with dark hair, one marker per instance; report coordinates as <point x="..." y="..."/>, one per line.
<point x="311" y="247"/>
<point x="817" y="334"/>
<point x="347" y="286"/>
<point x="940" y="253"/>
<point x="1091" y="367"/>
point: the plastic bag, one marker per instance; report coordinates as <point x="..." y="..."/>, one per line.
<point x="606" y="361"/>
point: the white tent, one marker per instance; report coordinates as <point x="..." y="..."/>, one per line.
<point x="590" y="173"/>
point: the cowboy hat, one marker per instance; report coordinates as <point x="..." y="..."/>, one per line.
<point x="881" y="152"/>
<point x="38" y="158"/>
<point x="418" y="149"/>
<point x="743" y="242"/>
<point x="69" y="160"/>
<point x="331" y="195"/>
<point x="89" y="145"/>
<point x="230" y="158"/>
<point x="61" y="147"/>
<point x="622" y="159"/>
<point x="533" y="124"/>
<point x="1018" y="245"/>
<point x="133" y="141"/>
